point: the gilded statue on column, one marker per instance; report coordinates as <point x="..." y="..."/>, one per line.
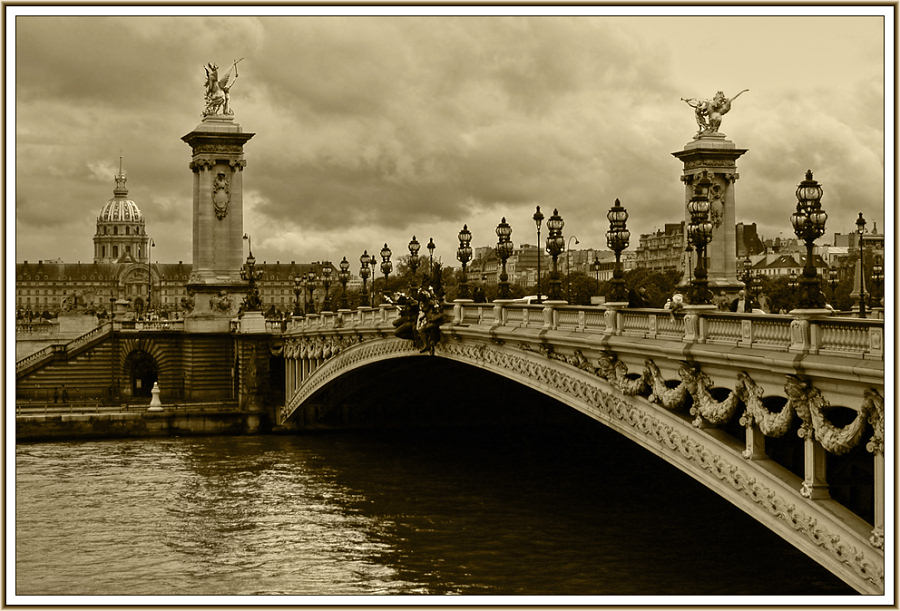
<point x="708" y="113"/>
<point x="218" y="90"/>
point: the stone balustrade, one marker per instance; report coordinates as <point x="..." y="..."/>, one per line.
<point x="855" y="337"/>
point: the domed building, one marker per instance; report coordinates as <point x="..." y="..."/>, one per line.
<point x="120" y="227"/>
<point x="122" y="270"/>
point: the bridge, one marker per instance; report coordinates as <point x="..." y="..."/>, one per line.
<point x="727" y="398"/>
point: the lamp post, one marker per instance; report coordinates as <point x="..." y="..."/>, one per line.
<point x="595" y="267"/>
<point x="252" y="302"/>
<point x="617" y="239"/>
<point x="747" y="276"/>
<point x="372" y="264"/>
<point x="504" y="251"/>
<point x="344" y="277"/>
<point x="326" y="282"/>
<point x="809" y="224"/>
<point x="690" y="262"/>
<point x="555" y="243"/>
<point x="430" y="246"/>
<point x="364" y="274"/>
<point x="464" y="254"/>
<point x="413" y="259"/>
<point x="700" y="234"/>
<point x="568" y="275"/>
<point x="833" y="281"/>
<point x="538" y="217"/>
<point x="311" y="286"/>
<point x="298" y="288"/>
<point x="386" y="265"/>
<point x="861" y="230"/>
<point x="877" y="276"/>
<point x="150" y="244"/>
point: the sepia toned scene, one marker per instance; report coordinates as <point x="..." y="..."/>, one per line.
<point x="585" y="308"/>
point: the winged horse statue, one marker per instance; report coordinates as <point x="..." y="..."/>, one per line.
<point x="217" y="90"/>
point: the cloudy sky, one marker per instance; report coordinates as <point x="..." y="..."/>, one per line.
<point x="370" y="129"/>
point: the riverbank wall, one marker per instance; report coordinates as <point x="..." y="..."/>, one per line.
<point x="117" y="424"/>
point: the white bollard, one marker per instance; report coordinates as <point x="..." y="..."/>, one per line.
<point x="155" y="403"/>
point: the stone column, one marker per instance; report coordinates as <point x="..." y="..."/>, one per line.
<point x="217" y="163"/>
<point x="714" y="154"/>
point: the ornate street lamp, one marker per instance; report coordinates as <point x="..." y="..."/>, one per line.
<point x="372" y="263"/>
<point x="464" y="254"/>
<point x="344" y="277"/>
<point x="568" y="273"/>
<point x="833" y="280"/>
<point x="690" y="262"/>
<point x="430" y="246"/>
<point x="617" y="239"/>
<point x="748" y="271"/>
<point x="877" y="275"/>
<point x="861" y="230"/>
<point x="538" y="217"/>
<point x="555" y="244"/>
<point x="298" y="288"/>
<point x="326" y="282"/>
<point x="700" y="234"/>
<point x="311" y="286"/>
<point x="504" y="251"/>
<point x="386" y="265"/>
<point x="413" y="259"/>
<point x="364" y="274"/>
<point x="809" y="224"/>
<point x="595" y="267"/>
<point x="252" y="301"/>
<point x="150" y="244"/>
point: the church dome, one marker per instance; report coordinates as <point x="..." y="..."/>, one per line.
<point x="120" y="209"/>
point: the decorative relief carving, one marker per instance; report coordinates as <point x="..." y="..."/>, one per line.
<point x="221" y="302"/>
<point x="772" y="424"/>
<point x="705" y="407"/>
<point x="808" y="403"/>
<point x="221" y="195"/>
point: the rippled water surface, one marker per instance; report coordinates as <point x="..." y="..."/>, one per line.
<point x="531" y="511"/>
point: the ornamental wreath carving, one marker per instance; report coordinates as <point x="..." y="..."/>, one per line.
<point x="221" y="195"/>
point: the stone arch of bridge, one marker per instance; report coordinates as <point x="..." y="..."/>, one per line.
<point x="770" y="495"/>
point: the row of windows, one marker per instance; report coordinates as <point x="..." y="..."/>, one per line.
<point x="115" y="251"/>
<point x="128" y="230"/>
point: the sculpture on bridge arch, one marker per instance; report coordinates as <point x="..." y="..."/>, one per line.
<point x="421" y="316"/>
<point x="708" y="113"/>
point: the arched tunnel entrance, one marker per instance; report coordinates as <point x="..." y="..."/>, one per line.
<point x="550" y="490"/>
<point x="142" y="372"/>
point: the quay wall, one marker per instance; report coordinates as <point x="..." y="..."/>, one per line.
<point x="69" y="426"/>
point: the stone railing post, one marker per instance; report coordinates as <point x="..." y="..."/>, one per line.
<point x="876" y="341"/>
<point x="613" y="318"/>
<point x="581" y="324"/>
<point x="803" y="338"/>
<point x="695" y="322"/>
<point x="500" y="312"/>
<point x="549" y="313"/>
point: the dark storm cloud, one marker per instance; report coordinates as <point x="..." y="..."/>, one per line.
<point x="370" y="129"/>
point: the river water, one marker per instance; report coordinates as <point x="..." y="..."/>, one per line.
<point x="540" y="510"/>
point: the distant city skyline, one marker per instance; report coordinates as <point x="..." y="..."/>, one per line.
<point x="372" y="129"/>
